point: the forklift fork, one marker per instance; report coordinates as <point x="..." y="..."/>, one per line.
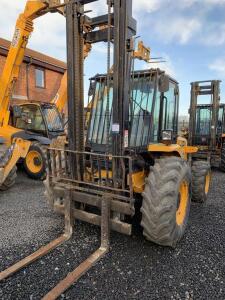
<point x="72" y="277"/>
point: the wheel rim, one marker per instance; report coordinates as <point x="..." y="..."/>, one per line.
<point x="207" y="182"/>
<point x="34" y="161"/>
<point x="183" y="202"/>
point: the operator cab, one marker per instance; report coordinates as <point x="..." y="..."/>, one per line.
<point x="38" y="118"/>
<point x="153" y="108"/>
<point x="202" y="133"/>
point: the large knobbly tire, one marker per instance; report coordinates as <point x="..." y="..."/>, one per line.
<point x="201" y="176"/>
<point x="10" y="180"/>
<point x="166" y="201"/>
<point x="35" y="163"/>
<point x="222" y="160"/>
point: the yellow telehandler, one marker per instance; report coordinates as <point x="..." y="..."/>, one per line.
<point x="38" y="123"/>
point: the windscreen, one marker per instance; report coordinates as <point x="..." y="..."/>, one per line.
<point x="141" y="110"/>
<point x="31" y="118"/>
<point x="203" y="121"/>
<point x="52" y="118"/>
<point x="203" y="124"/>
<point x="141" y="99"/>
<point x="100" y="119"/>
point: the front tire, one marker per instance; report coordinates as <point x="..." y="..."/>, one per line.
<point x="166" y="201"/>
<point x="10" y="180"/>
<point x="35" y="162"/>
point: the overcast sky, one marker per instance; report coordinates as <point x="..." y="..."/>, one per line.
<point x="188" y="34"/>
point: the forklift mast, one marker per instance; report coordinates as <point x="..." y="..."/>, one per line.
<point x="121" y="76"/>
<point x="204" y="88"/>
<point x="121" y="31"/>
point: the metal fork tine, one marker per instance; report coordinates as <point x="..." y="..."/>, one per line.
<point x="31" y="258"/>
<point x="72" y="277"/>
<point x="75" y="275"/>
<point x="45" y="249"/>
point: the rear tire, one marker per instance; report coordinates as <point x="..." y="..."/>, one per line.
<point x="222" y="161"/>
<point x="10" y="180"/>
<point x="35" y="162"/>
<point x="166" y="201"/>
<point x="201" y="177"/>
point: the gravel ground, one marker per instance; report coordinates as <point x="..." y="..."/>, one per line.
<point x="134" y="268"/>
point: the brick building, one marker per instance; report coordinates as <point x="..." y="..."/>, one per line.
<point x="40" y="75"/>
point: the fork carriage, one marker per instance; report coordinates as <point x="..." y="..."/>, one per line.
<point x="87" y="188"/>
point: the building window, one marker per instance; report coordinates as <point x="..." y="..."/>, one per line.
<point x="40" y="78"/>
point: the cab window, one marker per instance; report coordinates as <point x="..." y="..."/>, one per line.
<point x="31" y="119"/>
<point x="169" y="108"/>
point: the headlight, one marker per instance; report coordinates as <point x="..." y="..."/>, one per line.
<point x="5" y="157"/>
<point x="167" y="136"/>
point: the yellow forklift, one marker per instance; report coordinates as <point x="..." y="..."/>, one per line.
<point x="132" y="158"/>
<point x="207" y="132"/>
